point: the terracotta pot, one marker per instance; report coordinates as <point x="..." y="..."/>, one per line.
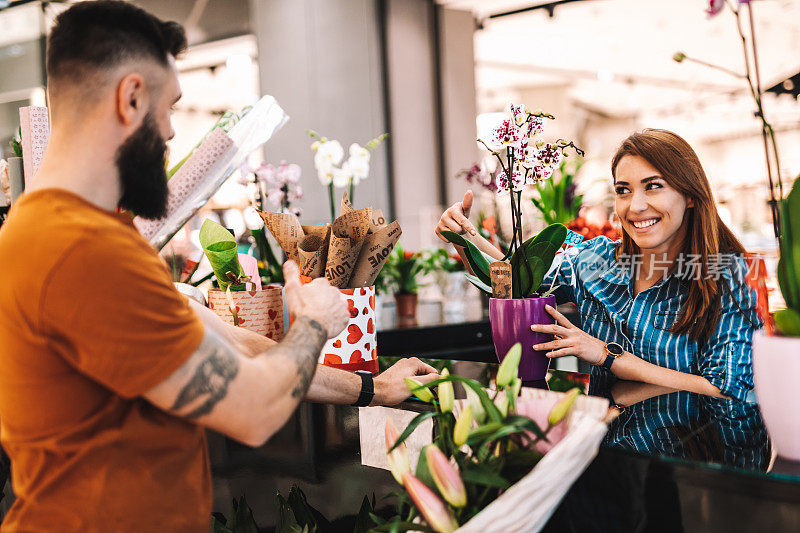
<point x="775" y="360"/>
<point x="260" y="311"/>
<point x="511" y="323"/>
<point x="406" y="308"/>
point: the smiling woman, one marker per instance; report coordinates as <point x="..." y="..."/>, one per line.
<point x="668" y="304"/>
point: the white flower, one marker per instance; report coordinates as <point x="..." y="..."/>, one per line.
<point x="358" y="162"/>
<point x="331" y="151"/>
<point x="341" y="176"/>
<point x="506" y="134"/>
<point x="324" y="168"/>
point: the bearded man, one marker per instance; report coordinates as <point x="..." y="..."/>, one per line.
<point x="108" y="376"/>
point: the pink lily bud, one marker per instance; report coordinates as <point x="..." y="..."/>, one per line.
<point x="397" y="458"/>
<point x="436" y="513"/>
<point x="446" y="477"/>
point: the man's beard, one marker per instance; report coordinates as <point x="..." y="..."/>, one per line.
<point x="142" y="176"/>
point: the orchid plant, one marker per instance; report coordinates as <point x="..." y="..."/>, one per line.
<point x="477" y="455"/>
<point x="524" y="159"/>
<point x="335" y="171"/>
<point x="280" y="186"/>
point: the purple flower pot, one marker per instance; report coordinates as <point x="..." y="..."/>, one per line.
<point x="511" y="323"/>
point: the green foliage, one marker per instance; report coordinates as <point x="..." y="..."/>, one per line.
<point x="16" y="143"/>
<point x="241" y="519"/>
<point x="788" y="322"/>
<point x="497" y="453"/>
<point x="402" y="269"/>
<point x="557" y="200"/>
<point x="529" y="264"/>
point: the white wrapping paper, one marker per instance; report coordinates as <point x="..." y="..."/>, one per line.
<point x="35" y="132"/>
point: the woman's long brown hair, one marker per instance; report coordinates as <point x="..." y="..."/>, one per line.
<point x="706" y="234"/>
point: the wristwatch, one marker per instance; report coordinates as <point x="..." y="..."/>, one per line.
<point x="367" y="389"/>
<point x="613" y="350"/>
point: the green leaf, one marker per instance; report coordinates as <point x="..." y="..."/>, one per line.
<point x="220" y="249"/>
<point x="486" y="402"/>
<point x="525" y="423"/>
<point x="423" y="473"/>
<point x="480" y="474"/>
<point x="478" y="283"/>
<point x="364" y="518"/>
<point x="419" y="419"/>
<point x="788" y="322"/>
<point x="540" y="251"/>
<point x="476" y="259"/>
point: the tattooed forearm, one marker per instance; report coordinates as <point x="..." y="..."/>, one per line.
<point x="209" y="382"/>
<point x="302" y="345"/>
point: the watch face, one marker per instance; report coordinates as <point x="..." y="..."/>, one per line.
<point x="614" y="349"/>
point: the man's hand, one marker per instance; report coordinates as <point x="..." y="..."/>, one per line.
<point x="456" y="218"/>
<point x="390" y="386"/>
<point x="317" y="300"/>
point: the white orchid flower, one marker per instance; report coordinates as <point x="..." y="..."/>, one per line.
<point x="330" y="152"/>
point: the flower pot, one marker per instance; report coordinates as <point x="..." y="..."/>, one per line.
<point x="356" y="347"/>
<point x="775" y="358"/>
<point x="406" y="308"/>
<point x="511" y="323"/>
<point x="260" y="311"/>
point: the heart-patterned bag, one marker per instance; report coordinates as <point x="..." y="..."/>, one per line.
<point x="260" y="311"/>
<point x="355" y="348"/>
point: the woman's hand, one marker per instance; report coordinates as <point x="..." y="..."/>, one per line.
<point x="456" y="218"/>
<point x="571" y="340"/>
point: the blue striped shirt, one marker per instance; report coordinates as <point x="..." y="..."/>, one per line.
<point x="602" y="288"/>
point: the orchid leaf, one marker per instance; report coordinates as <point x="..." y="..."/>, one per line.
<point x="476" y="259"/>
<point x="540" y="252"/>
<point x="478" y="283"/>
<point x="220" y="249"/>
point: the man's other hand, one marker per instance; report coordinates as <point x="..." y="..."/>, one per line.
<point x="390" y="386"/>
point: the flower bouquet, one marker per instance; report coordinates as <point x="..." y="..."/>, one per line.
<point x="500" y="461"/>
<point x="515" y="281"/>
<point x="240" y="299"/>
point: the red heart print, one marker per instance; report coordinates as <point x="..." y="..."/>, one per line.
<point x="352" y="308"/>
<point x="237" y="308"/>
<point x="365" y="311"/>
<point x="337" y="343"/>
<point x="355" y="357"/>
<point x="374" y="353"/>
<point x="278" y="327"/>
<point x="211" y="305"/>
<point x="363" y="292"/>
<point x="370" y="326"/>
<point x="272" y="314"/>
<point x="241" y="321"/>
<point x="372" y="301"/>
<point x="348" y="292"/>
<point x="366" y="346"/>
<point x="252" y="293"/>
<point x="354" y="334"/>
<point x="331" y="359"/>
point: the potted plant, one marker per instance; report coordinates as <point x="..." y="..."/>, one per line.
<point x="776" y="356"/>
<point x="500" y="460"/>
<point x="557" y="200"/>
<point x="400" y="275"/>
<point x="527" y="160"/>
<point x="240" y="298"/>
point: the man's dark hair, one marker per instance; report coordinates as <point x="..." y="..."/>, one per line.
<point x="90" y="37"/>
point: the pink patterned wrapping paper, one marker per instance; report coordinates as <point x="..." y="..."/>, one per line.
<point x="35" y="132"/>
<point x="210" y="158"/>
<point x="260" y="311"/>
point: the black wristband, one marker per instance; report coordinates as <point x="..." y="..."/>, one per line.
<point x="367" y="389"/>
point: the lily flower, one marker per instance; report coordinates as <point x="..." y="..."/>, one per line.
<point x="462" y="427"/>
<point x="475" y="404"/>
<point x="423" y="394"/>
<point x="446" y="477"/>
<point x="562" y="407"/>
<point x="446" y="394"/>
<point x="397" y="458"/>
<point x="436" y="513"/>
<point x="507" y="372"/>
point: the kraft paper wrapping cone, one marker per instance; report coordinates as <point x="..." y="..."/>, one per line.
<point x="260" y="311"/>
<point x="313" y="251"/>
<point x="35" y="132"/>
<point x="374" y="252"/>
<point x="500" y="272"/>
<point x="355" y="348"/>
<point x="287" y="231"/>
<point x="347" y="206"/>
<point x="207" y="161"/>
<point x="378" y="221"/>
<point x="320" y="231"/>
<point x="347" y="237"/>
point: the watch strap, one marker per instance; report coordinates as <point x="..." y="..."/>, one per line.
<point x="367" y="389"/>
<point x="609" y="359"/>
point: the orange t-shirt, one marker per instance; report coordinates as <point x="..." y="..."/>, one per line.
<point x="90" y="322"/>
